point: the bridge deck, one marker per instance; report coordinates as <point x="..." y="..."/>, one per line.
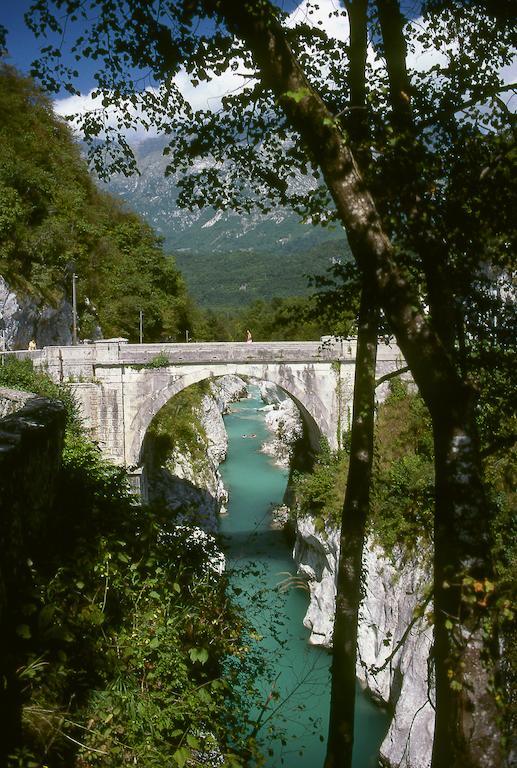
<point x="118" y="351"/>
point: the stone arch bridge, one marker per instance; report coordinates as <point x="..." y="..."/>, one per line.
<point x="121" y="387"/>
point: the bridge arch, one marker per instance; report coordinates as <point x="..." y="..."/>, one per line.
<point x="300" y="386"/>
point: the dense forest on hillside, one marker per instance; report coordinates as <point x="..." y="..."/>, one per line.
<point x="229" y="280"/>
<point x="54" y="221"/>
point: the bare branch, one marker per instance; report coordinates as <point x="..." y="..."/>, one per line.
<point x="391" y="375"/>
<point x="375" y="670"/>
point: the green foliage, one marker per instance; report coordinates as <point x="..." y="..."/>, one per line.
<point x="298" y="318"/>
<point x="54" y="221"/>
<point x="132" y="628"/>
<point x="320" y="493"/>
<point x="402" y="500"/>
<point x="230" y="280"/>
<point x="121" y="627"/>
<point x="20" y="374"/>
<point x="177" y="426"/>
<point x="401" y="507"/>
<point x="161" y="360"/>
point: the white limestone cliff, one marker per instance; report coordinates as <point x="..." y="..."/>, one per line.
<point x="24" y="317"/>
<point x="392" y="660"/>
<point x="283" y="421"/>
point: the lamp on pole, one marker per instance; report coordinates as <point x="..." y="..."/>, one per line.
<point x="141" y="325"/>
<point x="74" y="310"/>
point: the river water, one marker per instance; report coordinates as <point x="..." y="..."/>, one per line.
<point x="297" y="676"/>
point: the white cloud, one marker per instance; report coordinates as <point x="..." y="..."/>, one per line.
<point x="205" y="95"/>
<point x="318" y="14"/>
<point x="77" y="106"/>
<point x="208" y="95"/>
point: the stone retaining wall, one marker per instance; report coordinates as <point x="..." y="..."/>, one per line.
<point x="31" y="442"/>
<point x="12" y="400"/>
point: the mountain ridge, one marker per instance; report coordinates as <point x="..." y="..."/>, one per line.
<point x="228" y="259"/>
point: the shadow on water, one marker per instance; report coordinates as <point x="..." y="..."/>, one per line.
<point x="270" y="545"/>
<point x="295" y="682"/>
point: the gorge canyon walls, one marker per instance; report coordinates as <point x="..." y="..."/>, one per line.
<point x="395" y="635"/>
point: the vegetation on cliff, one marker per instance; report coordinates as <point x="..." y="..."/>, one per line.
<point x="402" y="482"/>
<point x="177" y="426"/>
<point x="122" y="633"/>
<point x="54" y="221"/>
<point x="402" y="501"/>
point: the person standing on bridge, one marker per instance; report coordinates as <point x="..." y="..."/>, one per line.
<point x="248" y="337"/>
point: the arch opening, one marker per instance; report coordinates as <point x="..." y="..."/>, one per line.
<point x="181" y="468"/>
<point x="167" y="383"/>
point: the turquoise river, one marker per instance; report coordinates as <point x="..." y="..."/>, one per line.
<point x="294" y="723"/>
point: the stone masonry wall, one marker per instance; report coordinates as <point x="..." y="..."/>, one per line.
<point x="12" y="400"/>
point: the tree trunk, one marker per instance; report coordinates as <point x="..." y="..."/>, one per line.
<point x="357" y="497"/>
<point x="353" y="521"/>
<point x="464" y="520"/>
<point x="357" y="120"/>
<point x="404" y="176"/>
<point x="466" y="731"/>
<point x="459" y="553"/>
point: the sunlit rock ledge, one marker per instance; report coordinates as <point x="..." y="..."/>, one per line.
<point x="283" y="421"/>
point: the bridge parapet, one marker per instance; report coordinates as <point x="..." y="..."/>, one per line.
<point x="80" y="362"/>
<point x="234" y="352"/>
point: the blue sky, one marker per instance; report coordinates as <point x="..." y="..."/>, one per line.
<point x="23" y="47"/>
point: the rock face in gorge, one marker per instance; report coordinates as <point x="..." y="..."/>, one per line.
<point x="191" y="482"/>
<point x="23" y="318"/>
<point x="392" y="660"/>
<point x="283" y="422"/>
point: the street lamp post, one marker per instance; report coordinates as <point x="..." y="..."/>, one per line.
<point x="74" y="310"/>
<point x="141" y="325"/>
